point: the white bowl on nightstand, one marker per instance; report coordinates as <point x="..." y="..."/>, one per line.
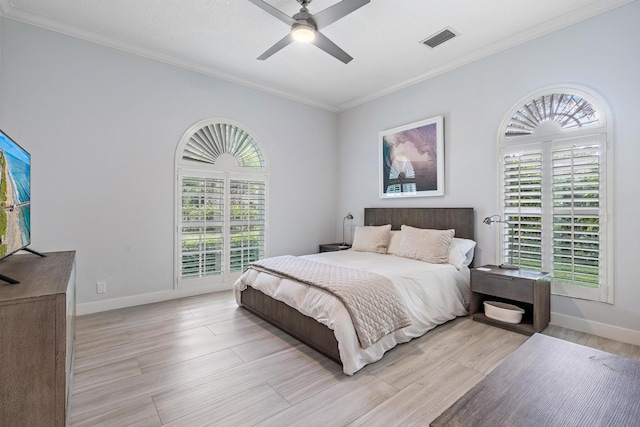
<point x="503" y="312"/>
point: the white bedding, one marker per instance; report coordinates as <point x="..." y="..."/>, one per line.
<point x="432" y="293"/>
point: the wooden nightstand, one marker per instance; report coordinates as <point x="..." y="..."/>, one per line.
<point x="333" y="247"/>
<point x="530" y="290"/>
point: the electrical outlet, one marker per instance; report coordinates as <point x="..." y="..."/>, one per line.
<point x="101" y="287"/>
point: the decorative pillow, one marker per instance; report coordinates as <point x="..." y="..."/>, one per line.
<point x="394" y="242"/>
<point x="461" y="252"/>
<point x="371" y="238"/>
<point x="425" y="244"/>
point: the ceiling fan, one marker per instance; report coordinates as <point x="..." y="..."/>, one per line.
<point x="306" y="27"/>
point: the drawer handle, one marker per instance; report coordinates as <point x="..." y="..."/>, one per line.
<point x="500" y="277"/>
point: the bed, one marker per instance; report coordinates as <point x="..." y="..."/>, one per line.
<point x="319" y="319"/>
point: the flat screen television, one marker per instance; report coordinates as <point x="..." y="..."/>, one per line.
<point x="15" y="196"/>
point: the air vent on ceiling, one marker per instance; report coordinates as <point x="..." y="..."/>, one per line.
<point x="440" y="37"/>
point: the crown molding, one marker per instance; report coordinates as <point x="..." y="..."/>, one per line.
<point x="504" y="44"/>
<point x="9" y="12"/>
<point x="595" y="8"/>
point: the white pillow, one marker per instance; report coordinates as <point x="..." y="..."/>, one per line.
<point x="425" y="244"/>
<point x="394" y="242"/>
<point x="371" y="238"/>
<point x="461" y="252"/>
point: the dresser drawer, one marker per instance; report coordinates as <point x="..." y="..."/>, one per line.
<point x="503" y="286"/>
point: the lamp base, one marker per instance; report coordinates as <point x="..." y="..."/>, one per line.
<point x="506" y="266"/>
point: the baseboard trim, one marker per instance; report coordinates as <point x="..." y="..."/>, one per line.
<point x="617" y="333"/>
<point x="134" y="300"/>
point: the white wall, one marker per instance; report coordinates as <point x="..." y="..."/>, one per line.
<point x="600" y="54"/>
<point x="103" y="126"/>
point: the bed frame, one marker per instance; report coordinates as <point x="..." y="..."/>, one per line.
<point x="319" y="336"/>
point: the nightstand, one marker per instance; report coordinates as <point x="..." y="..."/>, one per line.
<point x="333" y="247"/>
<point x="530" y="290"/>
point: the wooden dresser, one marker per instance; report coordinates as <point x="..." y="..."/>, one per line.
<point x="37" y="337"/>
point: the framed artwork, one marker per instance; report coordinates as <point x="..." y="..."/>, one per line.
<point x="412" y="160"/>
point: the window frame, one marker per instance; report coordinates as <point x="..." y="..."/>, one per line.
<point x="553" y="136"/>
<point x="226" y="169"/>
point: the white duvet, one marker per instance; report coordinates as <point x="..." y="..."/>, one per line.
<point x="432" y="293"/>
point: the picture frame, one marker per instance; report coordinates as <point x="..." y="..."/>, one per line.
<point x="412" y="160"/>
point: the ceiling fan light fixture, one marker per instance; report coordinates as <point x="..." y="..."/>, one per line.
<point x="306" y="27"/>
<point x="303" y="33"/>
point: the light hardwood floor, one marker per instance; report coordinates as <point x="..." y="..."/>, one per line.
<point x="204" y="361"/>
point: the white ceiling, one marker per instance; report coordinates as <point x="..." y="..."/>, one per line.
<point x="223" y="38"/>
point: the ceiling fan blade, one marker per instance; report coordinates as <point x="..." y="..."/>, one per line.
<point x="276" y="47"/>
<point x="273" y="11"/>
<point x="337" y="11"/>
<point x="331" y="48"/>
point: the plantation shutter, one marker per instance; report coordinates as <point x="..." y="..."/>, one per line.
<point x="202" y="226"/>
<point x="221" y="198"/>
<point x="522" y="187"/>
<point x="576" y="214"/>
<point x="554" y="180"/>
<point x="247" y="223"/>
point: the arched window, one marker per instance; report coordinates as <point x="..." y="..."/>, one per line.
<point x="221" y="199"/>
<point x="555" y="180"/>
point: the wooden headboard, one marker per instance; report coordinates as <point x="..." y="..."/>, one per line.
<point x="460" y="219"/>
